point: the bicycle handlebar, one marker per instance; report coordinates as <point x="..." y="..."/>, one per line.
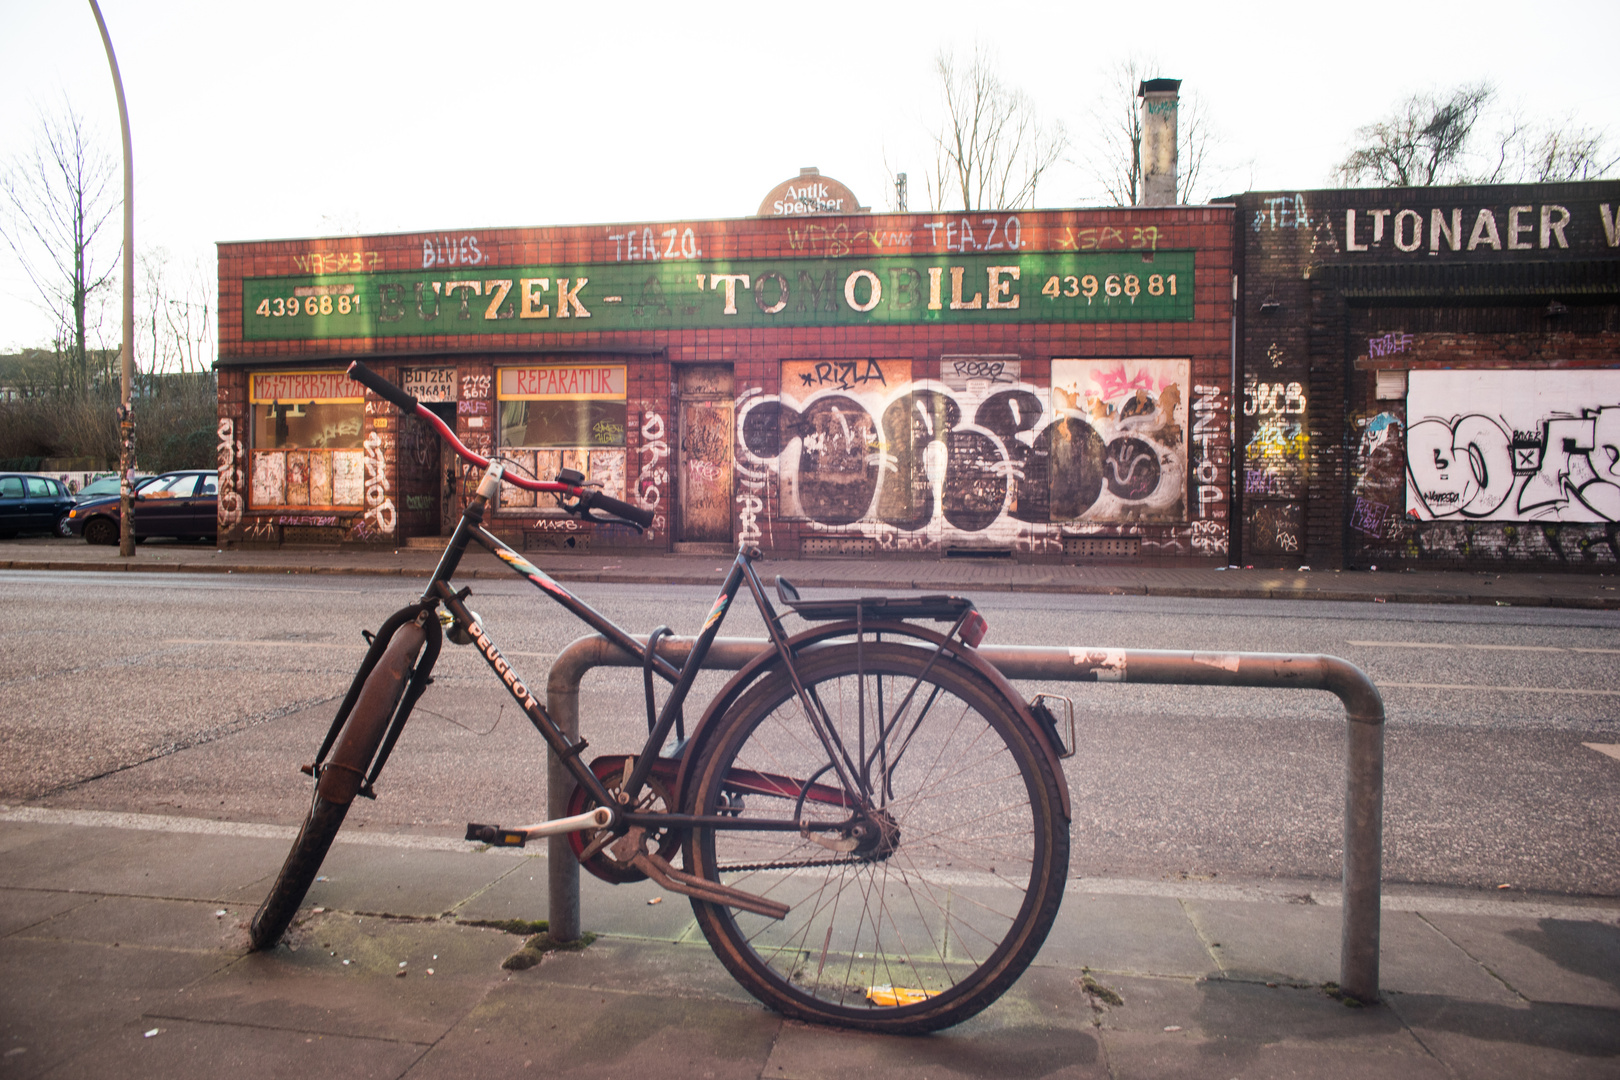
<point x="585" y="500"/>
<point x="382" y="387"/>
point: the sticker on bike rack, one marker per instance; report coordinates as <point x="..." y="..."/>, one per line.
<point x="718" y="610"/>
<point x="528" y="569"/>
<point x="1107" y="665"/>
<point x="1224" y="661"/>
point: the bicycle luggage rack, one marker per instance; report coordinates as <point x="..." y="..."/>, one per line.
<point x="1364" y="759"/>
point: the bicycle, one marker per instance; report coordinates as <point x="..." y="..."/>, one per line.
<point x="873" y="825"/>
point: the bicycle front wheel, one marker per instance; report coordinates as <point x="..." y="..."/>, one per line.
<point x="339" y="782"/>
<point x="915" y="903"/>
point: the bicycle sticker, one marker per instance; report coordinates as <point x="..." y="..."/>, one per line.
<point x="718" y="610"/>
<point x="527" y="568"/>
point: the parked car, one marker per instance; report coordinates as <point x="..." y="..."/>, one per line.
<point x="31" y="503"/>
<point x="183" y="504"/>
<point x="106" y="485"/>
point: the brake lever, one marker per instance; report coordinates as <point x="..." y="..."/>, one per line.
<point x="577" y="508"/>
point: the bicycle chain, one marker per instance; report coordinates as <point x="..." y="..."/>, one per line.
<point x="729" y="868"/>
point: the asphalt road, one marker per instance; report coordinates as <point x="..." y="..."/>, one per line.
<point x="201" y="695"/>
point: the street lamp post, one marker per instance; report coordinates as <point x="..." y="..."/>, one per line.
<point x="126" y="410"/>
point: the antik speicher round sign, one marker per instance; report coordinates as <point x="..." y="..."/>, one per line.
<point x="810" y="193"/>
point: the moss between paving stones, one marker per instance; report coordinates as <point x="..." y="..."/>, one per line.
<point x="535" y="949"/>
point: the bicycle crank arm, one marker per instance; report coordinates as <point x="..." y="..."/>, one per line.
<point x="496" y="836"/>
<point x="629" y="850"/>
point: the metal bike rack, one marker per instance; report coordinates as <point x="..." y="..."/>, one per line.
<point x="1364" y="758"/>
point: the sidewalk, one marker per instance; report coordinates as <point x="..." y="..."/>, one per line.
<point x="1582" y="590"/>
<point x="122" y="954"/>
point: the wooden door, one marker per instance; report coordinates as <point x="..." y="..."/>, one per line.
<point x="704" y="469"/>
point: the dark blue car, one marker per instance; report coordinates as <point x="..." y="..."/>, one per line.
<point x="183" y="504"/>
<point x="31" y="503"/>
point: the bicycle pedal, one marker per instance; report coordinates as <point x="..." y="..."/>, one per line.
<point x="495" y="836"/>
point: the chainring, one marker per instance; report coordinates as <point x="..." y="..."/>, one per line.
<point x="655" y="798"/>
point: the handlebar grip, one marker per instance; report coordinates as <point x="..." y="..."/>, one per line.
<point x="381" y="387"/>
<point x="598" y="501"/>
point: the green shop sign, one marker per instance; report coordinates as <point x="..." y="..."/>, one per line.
<point x="1043" y="287"/>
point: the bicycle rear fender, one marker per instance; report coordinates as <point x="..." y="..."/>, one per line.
<point x="821" y="633"/>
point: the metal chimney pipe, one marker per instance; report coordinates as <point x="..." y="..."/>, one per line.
<point x="1160" y="100"/>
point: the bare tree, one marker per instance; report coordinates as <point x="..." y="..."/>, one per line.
<point x="1117" y="167"/>
<point x="175" y="308"/>
<point x="1423" y="142"/>
<point x="1547" y="153"/>
<point x="57" y="197"/>
<point x="1456" y="137"/>
<point x="992" y="149"/>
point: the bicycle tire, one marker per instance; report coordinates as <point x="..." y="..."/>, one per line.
<point x="337" y="784"/>
<point x="953" y="903"/>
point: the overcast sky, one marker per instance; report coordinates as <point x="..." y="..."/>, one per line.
<point x="295" y="119"/>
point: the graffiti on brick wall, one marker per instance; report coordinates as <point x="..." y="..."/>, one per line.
<point x="652" y="470"/>
<point x="1210" y="538"/>
<point x="1391" y="344"/>
<point x="755" y="492"/>
<point x="920" y="464"/>
<point x="1274" y="461"/>
<point x="1281" y="215"/>
<point x="1211" y="450"/>
<point x="380" y="516"/>
<point x="1514" y="445"/>
<point x="1544" y="543"/>
<point x="1378" y="486"/>
<point x="1136" y="409"/>
<point x="1276" y="528"/>
<point x="231" y="481"/>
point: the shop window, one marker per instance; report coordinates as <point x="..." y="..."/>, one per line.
<point x="563" y="417"/>
<point x="307" y="431"/>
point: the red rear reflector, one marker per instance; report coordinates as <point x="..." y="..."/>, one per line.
<point x="973" y="629"/>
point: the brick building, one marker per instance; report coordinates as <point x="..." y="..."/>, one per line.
<point x="1046" y="384"/>
<point x="1430" y="377"/>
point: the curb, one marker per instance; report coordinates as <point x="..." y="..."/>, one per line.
<point x="1046" y="585"/>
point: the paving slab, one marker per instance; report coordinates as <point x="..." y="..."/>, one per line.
<point x="1042" y="1027"/>
<point x="1130" y="934"/>
<point x="304" y="984"/>
<point x="1485" y="1041"/>
<point x="187" y="1049"/>
<point x="636" y="909"/>
<point x="625" y="965"/>
<point x="1301" y="943"/>
<point x="411" y="882"/>
<point x="146" y="922"/>
<point x="537" y="1026"/>
<point x="137" y="862"/>
<point x="1222" y="1027"/>
<point x="1572" y="962"/>
<point x="56" y="995"/>
<point x="23" y="908"/>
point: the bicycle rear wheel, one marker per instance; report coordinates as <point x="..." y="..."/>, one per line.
<point x="916" y="910"/>
<point x="339" y="782"/>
